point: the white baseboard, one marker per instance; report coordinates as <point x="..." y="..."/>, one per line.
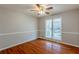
<point x="16" y="44"/>
<point x="69" y="44"/>
<point x="61" y="42"/>
<point x="34" y="39"/>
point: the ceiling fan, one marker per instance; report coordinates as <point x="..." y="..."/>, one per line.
<point x="42" y="9"/>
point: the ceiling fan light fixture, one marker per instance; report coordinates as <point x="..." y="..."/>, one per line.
<point x="42" y="9"/>
<point x="41" y="12"/>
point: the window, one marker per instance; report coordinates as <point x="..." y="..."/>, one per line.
<point x="57" y="28"/>
<point x="48" y="28"/>
<point x="53" y="28"/>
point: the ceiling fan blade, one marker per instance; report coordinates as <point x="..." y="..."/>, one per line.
<point x="38" y="5"/>
<point x="49" y="8"/>
<point x="33" y="10"/>
<point x="47" y="12"/>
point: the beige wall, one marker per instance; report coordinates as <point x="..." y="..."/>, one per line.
<point x="15" y="27"/>
<point x="42" y="25"/>
<point x="70" y="21"/>
<point x="70" y="26"/>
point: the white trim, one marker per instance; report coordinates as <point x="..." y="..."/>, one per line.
<point x="69" y="44"/>
<point x="16" y="44"/>
<point x="61" y="42"/>
<point x="12" y="33"/>
<point x="70" y="33"/>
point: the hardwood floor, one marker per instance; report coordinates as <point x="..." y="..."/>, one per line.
<point x="40" y="46"/>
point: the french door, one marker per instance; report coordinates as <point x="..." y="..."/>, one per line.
<point x="53" y="28"/>
<point x="48" y="29"/>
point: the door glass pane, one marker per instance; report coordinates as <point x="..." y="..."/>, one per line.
<point x="57" y="28"/>
<point x="48" y="29"/>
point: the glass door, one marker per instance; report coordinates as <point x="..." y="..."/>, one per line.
<point x="57" y="28"/>
<point x="53" y="28"/>
<point x="48" y="28"/>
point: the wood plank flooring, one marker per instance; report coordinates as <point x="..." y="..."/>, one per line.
<point x="40" y="46"/>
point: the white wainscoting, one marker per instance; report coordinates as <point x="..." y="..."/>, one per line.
<point x="69" y="38"/>
<point x="8" y="40"/>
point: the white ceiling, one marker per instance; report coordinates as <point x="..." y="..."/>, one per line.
<point x="26" y="8"/>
